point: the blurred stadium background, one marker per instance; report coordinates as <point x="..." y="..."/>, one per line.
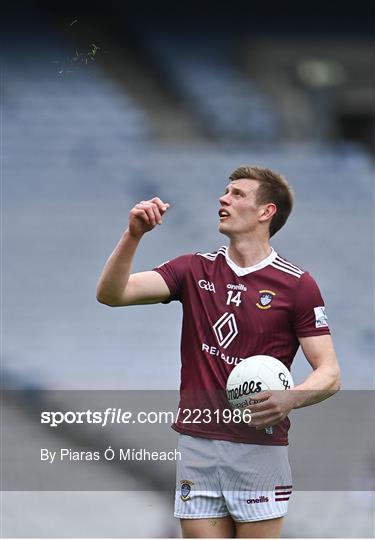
<point x="106" y="104"/>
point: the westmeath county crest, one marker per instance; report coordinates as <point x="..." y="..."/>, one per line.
<point x="265" y="299"/>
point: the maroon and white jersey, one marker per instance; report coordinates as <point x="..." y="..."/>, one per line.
<point x="231" y="313"/>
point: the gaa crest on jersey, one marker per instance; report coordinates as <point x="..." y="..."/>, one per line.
<point x="265" y="299"/>
<point x="185" y="489"/>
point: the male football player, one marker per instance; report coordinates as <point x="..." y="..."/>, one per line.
<point x="242" y="300"/>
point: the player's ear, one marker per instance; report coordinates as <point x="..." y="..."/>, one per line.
<point x="267" y="211"/>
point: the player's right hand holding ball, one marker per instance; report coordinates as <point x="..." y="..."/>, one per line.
<point x="145" y="215"/>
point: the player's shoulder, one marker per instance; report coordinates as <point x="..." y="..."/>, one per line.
<point x="197" y="255"/>
<point x="212" y="256"/>
<point x="287" y="268"/>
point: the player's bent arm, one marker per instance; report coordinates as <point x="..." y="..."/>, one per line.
<point x="324" y="381"/>
<point x="118" y="287"/>
<point x="145" y="288"/>
<point x="141" y="288"/>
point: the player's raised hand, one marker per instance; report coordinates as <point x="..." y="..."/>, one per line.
<point x="145" y="215"/>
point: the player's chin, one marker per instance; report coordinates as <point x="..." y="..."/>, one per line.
<point x="223" y="227"/>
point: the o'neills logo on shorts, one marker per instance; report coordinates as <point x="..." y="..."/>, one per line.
<point x="261" y="499"/>
<point x="248" y="387"/>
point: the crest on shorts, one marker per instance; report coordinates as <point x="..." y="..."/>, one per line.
<point x="265" y="299"/>
<point x="185" y="489"/>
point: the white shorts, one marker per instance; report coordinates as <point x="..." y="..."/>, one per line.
<point x="249" y="482"/>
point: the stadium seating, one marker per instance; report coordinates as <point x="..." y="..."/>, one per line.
<point x="202" y="70"/>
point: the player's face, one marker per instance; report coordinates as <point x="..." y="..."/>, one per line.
<point x="238" y="209"/>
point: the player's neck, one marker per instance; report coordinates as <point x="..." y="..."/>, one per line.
<point x="247" y="253"/>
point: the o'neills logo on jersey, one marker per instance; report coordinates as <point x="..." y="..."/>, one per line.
<point x="261" y="499"/>
<point x="239" y="287"/>
<point x="248" y="387"/>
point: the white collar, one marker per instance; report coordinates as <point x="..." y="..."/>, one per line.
<point x="239" y="271"/>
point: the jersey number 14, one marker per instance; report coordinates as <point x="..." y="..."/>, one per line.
<point x="236" y="299"/>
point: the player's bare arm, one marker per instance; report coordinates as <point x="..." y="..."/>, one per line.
<point x="323" y="382"/>
<point x="117" y="286"/>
